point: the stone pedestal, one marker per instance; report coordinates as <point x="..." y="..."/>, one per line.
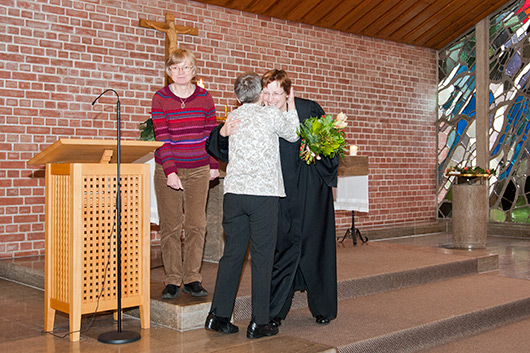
<point x="214" y="243"/>
<point x="470" y="215"/>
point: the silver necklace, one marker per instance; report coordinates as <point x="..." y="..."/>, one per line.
<point x="182" y="101"/>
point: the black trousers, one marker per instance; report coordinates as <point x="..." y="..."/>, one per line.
<point x="247" y="218"/>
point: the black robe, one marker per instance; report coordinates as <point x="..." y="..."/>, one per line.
<point x="305" y="257"/>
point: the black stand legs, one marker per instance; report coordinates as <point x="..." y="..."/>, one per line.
<point x="355" y="232"/>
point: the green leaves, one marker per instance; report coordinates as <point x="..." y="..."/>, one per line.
<point x="147" y="132"/>
<point x="322" y="136"/>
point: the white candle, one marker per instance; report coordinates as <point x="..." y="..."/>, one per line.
<point x="353" y="150"/>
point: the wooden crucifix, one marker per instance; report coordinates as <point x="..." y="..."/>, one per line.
<point x="171" y="30"/>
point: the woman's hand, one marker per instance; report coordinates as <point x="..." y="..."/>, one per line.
<point x="231" y="126"/>
<point x="214" y="173"/>
<point x="173" y="181"/>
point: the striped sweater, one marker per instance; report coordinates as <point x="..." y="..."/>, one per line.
<point x="183" y="131"/>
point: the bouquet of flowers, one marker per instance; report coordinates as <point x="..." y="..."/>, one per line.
<point x="323" y="136"/>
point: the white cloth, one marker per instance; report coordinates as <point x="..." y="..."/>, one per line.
<point x="254" y="166"/>
<point x="154" y="209"/>
<point x="352" y="193"/>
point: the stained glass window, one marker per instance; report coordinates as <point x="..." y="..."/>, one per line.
<point x="456" y="113"/>
<point x="509" y="113"/>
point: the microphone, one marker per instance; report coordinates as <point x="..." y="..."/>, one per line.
<point x="118" y="336"/>
<point x="105" y="91"/>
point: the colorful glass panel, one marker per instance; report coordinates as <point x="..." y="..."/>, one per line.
<point x="509" y="113"/>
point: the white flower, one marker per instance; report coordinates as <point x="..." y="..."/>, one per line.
<point x="340" y="121"/>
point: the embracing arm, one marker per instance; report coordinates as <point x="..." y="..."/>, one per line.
<point x="217" y="145"/>
<point x="288" y="125"/>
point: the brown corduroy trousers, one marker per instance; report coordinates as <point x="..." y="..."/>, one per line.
<point x="177" y="209"/>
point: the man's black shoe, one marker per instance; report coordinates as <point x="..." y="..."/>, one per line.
<point x="195" y="289"/>
<point x="220" y="324"/>
<point x="276" y="322"/>
<point x="171" y="292"/>
<point x="321" y="320"/>
<point x="256" y="331"/>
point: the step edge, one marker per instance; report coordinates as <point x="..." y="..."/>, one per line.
<point x="447" y="330"/>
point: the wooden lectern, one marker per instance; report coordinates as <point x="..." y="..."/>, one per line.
<point x="80" y="235"/>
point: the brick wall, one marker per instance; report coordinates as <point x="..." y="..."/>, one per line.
<point x="58" y="55"/>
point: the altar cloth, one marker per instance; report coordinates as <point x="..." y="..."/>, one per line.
<point x="352" y="193"/>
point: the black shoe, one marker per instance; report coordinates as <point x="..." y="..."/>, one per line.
<point x="321" y="320"/>
<point x="171" y="292"/>
<point x="195" y="289"/>
<point x="220" y="324"/>
<point x="256" y="331"/>
<point x="276" y="322"/>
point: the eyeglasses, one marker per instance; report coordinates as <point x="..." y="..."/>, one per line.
<point x="273" y="94"/>
<point x="185" y="68"/>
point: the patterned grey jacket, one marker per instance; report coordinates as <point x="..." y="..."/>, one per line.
<point x="254" y="166"/>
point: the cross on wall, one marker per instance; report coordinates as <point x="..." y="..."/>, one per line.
<point x="171" y="30"/>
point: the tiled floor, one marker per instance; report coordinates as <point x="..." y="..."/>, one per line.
<point x="514" y="254"/>
<point x="21" y="316"/>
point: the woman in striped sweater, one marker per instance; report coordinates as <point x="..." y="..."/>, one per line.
<point x="183" y="115"/>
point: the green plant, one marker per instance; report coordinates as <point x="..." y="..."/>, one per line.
<point x="147" y="131"/>
<point x="323" y="136"/>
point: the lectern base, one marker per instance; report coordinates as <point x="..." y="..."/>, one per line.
<point x="120" y="337"/>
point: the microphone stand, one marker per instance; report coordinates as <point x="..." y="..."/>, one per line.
<point x="118" y="336"/>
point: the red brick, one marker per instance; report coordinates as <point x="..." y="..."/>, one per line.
<point x="26" y="253"/>
<point x="53" y="72"/>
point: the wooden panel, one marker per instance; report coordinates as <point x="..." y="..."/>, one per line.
<point x="338" y="12"/>
<point x="262" y="6"/>
<point x="59" y="226"/>
<point x="350" y="20"/>
<point x="321" y="11"/>
<point x="391" y="18"/>
<point x="241" y="4"/>
<point x="353" y="165"/>
<point x="450" y="31"/>
<point x="377" y="12"/>
<point x="399" y="21"/>
<point x="81" y="240"/>
<point x="92" y="151"/>
<point x="301" y="9"/>
<point x="444" y="17"/>
<point x="428" y="14"/>
<point x="416" y="22"/>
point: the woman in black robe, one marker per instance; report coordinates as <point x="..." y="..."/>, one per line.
<point x="305" y="256"/>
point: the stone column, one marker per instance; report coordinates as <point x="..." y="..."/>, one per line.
<point x="470" y="215"/>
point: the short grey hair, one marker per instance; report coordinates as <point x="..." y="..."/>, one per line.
<point x="248" y="87"/>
